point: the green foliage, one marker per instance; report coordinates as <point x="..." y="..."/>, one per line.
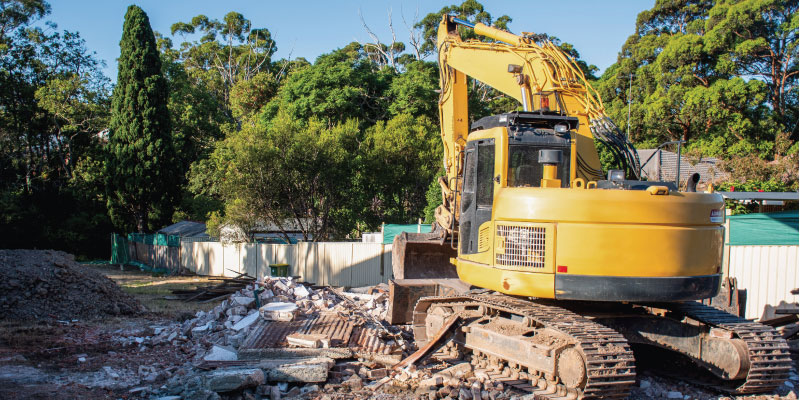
<point x="469" y="10"/>
<point x="403" y="156"/>
<point x="53" y="101"/>
<point x="227" y="52"/>
<point x="720" y="75"/>
<point x="414" y="91"/>
<point x="249" y="96"/>
<point x="433" y="198"/>
<point x="143" y="170"/>
<point x="339" y="85"/>
<point x="288" y="170"/>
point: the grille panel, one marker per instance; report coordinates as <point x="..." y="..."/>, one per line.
<point x="525" y="246"/>
<point x="484" y="236"/>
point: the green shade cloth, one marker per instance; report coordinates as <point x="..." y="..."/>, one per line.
<point x="119" y="249"/>
<point x="764" y="229"/>
<point x="156" y="239"/>
<point x="392" y="230"/>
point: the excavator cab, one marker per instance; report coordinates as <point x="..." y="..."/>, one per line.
<point x="431" y="255"/>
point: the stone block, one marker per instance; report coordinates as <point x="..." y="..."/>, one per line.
<point x="226" y="380"/>
<point x="221" y="353"/>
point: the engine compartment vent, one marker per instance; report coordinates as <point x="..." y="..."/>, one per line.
<point x="523" y="246"/>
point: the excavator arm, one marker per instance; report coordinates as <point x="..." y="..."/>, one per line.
<point x="541" y="78"/>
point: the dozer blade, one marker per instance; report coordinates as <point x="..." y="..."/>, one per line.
<point x="422" y="256"/>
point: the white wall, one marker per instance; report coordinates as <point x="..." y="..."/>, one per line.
<point x="325" y="263"/>
<point x="767" y="272"/>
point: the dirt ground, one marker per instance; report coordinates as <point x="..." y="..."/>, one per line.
<point x="111" y="358"/>
<point x="34" y="355"/>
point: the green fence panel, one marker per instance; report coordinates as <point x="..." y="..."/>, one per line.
<point x="174" y="241"/>
<point x="155" y="239"/>
<point x="764" y="229"/>
<point x="119" y="249"/>
<point x="392" y="230"/>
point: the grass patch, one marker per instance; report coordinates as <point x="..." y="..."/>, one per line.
<point x="151" y="290"/>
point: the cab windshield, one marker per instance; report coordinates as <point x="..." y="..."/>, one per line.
<point x="523" y="167"/>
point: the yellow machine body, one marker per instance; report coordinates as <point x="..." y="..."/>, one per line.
<point x="566" y="238"/>
<point x="595" y="234"/>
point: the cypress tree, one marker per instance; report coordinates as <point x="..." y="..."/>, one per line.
<point x="142" y="172"/>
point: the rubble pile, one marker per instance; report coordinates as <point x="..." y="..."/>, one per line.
<point x="49" y="284"/>
<point x="270" y="299"/>
<point x="214" y="340"/>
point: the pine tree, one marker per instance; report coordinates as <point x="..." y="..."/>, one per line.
<point x="142" y="172"/>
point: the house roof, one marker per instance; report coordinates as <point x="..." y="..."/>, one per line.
<point x="662" y="167"/>
<point x="185" y="229"/>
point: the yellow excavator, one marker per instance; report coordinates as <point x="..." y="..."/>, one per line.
<point x="574" y="265"/>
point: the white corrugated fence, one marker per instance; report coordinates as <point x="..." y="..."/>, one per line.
<point x="351" y="264"/>
<point x="768" y="273"/>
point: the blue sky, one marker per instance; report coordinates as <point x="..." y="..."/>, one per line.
<point x="309" y="28"/>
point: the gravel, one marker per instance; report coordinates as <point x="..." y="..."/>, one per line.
<point x="49" y="284"/>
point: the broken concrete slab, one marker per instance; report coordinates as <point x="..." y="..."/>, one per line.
<point x="246" y="322"/>
<point x="110" y="372"/>
<point x="377" y="373"/>
<point x="301" y="371"/>
<point x="278" y="311"/>
<point x="313" y="341"/>
<point x="456" y="371"/>
<point x="199" y="330"/>
<point x="221" y="353"/>
<point x="283" y="353"/>
<point x="243" y="300"/>
<point x="226" y="380"/>
<point x="300" y="292"/>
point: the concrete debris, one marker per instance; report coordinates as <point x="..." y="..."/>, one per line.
<point x="313" y="341"/>
<point x="226" y="380"/>
<point x="111" y="373"/>
<point x="221" y="353"/>
<point x="303" y="357"/>
<point x="243" y="301"/>
<point x="245" y="322"/>
<point x="315" y="370"/>
<point x="279" y="311"/>
<point x="301" y="292"/>
<point x="377" y="373"/>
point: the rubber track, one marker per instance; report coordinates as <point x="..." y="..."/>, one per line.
<point x="610" y="363"/>
<point x="770" y="359"/>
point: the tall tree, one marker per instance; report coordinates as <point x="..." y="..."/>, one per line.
<point x="720" y="75"/>
<point x="140" y="172"/>
<point x="228" y="51"/>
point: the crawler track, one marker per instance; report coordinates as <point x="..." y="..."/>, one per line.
<point x="610" y="365"/>
<point x="769" y="356"/>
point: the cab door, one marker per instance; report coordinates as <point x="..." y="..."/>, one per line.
<point x="477" y="194"/>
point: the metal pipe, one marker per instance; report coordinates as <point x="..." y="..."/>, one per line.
<point x="525" y="106"/>
<point x="462" y="22"/>
<point x="692" y="181"/>
<point x="678" y="169"/>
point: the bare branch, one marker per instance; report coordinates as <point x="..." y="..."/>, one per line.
<point x="414" y="36"/>
<point x="387" y="53"/>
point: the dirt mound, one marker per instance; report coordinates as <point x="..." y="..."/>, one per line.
<point x="46" y="284"/>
